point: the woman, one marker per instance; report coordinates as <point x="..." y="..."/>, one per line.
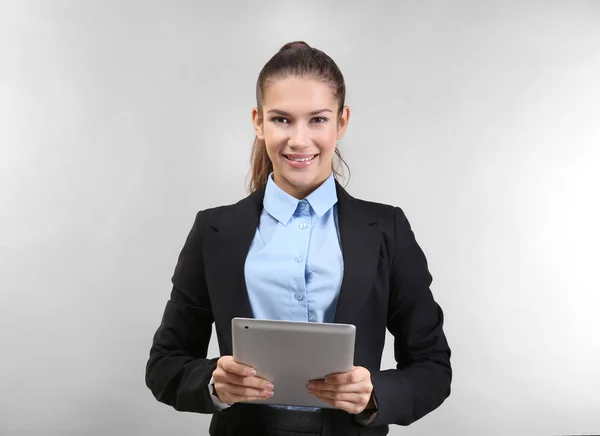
<point x="300" y="248"/>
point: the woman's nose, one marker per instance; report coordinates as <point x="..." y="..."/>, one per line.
<point x="299" y="137"/>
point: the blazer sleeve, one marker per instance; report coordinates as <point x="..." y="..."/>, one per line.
<point x="421" y="380"/>
<point x="178" y="371"/>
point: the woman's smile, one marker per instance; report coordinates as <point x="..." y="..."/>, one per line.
<point x="300" y="160"/>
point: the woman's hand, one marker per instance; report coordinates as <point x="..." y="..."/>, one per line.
<point x="235" y="382"/>
<point x="350" y="391"/>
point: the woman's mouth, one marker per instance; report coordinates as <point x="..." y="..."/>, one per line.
<point x="300" y="160"/>
<point x="300" y="157"/>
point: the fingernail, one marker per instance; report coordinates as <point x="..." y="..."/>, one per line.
<point x="268" y="393"/>
<point x="270" y="386"/>
<point x="310" y="386"/>
<point x="251" y="372"/>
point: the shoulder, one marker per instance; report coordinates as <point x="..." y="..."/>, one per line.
<point x="385" y="215"/>
<point x="376" y="209"/>
<point x="396" y="230"/>
<point x="216" y="215"/>
<point x="388" y="216"/>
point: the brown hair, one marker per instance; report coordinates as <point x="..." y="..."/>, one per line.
<point x="301" y="60"/>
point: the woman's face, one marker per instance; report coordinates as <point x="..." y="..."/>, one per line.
<point x="300" y="128"/>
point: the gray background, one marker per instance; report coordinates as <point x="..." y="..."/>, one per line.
<point x="120" y="119"/>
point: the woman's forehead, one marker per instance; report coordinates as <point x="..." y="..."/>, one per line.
<point x="299" y="94"/>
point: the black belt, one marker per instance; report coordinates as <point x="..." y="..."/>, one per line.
<point x="258" y="419"/>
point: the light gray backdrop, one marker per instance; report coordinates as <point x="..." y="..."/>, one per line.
<point x="120" y="119"/>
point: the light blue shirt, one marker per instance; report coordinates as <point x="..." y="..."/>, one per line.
<point x="294" y="267"/>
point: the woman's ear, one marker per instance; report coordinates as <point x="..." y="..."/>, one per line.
<point x="257" y="122"/>
<point x="343" y="122"/>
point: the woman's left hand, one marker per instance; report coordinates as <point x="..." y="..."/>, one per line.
<point x="350" y="391"/>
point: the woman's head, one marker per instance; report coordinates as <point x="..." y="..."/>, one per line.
<point x="299" y="116"/>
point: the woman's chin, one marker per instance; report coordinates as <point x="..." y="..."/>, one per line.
<point x="301" y="180"/>
<point x="305" y="183"/>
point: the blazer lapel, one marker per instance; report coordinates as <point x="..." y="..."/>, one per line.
<point x="361" y="243"/>
<point x="226" y="247"/>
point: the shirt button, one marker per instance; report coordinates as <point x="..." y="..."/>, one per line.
<point x="302" y="226"/>
<point x="299" y="259"/>
<point x="299" y="296"/>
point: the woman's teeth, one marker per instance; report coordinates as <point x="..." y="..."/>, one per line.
<point x="301" y="159"/>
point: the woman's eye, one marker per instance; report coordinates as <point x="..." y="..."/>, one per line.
<point x="282" y="120"/>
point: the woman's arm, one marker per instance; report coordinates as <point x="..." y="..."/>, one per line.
<point x="422" y="379"/>
<point x="178" y="372"/>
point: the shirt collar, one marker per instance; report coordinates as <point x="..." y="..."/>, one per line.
<point x="324" y="197"/>
<point x="281" y="205"/>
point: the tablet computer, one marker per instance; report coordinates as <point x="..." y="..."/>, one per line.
<point x="290" y="353"/>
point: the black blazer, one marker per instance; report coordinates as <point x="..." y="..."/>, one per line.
<point x="385" y="285"/>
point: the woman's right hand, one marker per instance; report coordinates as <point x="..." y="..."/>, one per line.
<point x="235" y="382"/>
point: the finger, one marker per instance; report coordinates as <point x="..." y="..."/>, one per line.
<point x="234" y="367"/>
<point x="343" y="405"/>
<point x="361" y="388"/>
<point x="350" y="397"/>
<point x="357" y="375"/>
<point x="246" y="399"/>
<point x="248" y="381"/>
<point x="241" y="392"/>
<point x="232" y="399"/>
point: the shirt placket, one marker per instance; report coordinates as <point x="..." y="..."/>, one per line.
<point x="301" y="226"/>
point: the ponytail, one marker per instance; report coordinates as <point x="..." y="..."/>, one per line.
<point x="261" y="165"/>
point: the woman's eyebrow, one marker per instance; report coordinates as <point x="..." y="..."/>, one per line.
<point x="280" y="112"/>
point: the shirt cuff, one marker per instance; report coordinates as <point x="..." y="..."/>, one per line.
<point x="216" y="402"/>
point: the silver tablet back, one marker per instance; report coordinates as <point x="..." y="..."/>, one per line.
<point x="291" y="353"/>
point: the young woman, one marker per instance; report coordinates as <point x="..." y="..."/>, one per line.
<point x="300" y="248"/>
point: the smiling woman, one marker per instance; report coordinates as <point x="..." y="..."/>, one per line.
<point x="300" y="248"/>
<point x="299" y="141"/>
<point x="300" y="114"/>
